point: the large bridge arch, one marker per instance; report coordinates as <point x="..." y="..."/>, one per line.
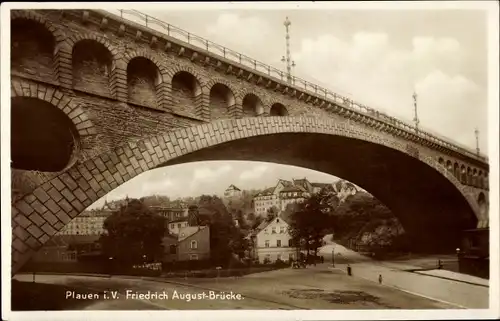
<point x="432" y="188"/>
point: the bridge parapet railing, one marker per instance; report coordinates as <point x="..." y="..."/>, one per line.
<point x="342" y="100"/>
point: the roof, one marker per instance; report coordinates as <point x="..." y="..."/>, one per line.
<point x="293" y="188"/>
<point x="182" y="219"/>
<point x="234" y="187"/>
<point x="96" y="213"/>
<point x="266" y="192"/>
<point x="188" y="231"/>
<point x="264" y="224"/>
<point x="168" y="208"/>
<point x="285" y="183"/>
<point x="320" y="185"/>
<point x="302" y="182"/>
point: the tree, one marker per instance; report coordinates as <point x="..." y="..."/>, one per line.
<point x="242" y="223"/>
<point x="309" y="221"/>
<point x="155" y="200"/>
<point x="225" y="238"/>
<point x="257" y="221"/>
<point x="194" y="216"/>
<point x="272" y="212"/>
<point x="134" y="234"/>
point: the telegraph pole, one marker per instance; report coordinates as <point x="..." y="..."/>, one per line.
<point x="477" y="140"/>
<point x="415" y="119"/>
<point x="287" y="59"/>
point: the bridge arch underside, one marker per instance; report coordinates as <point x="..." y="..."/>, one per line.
<point x="421" y="192"/>
<point x="430" y="208"/>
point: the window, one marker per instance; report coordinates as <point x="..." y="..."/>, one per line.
<point x="265" y="231"/>
<point x="172" y="225"/>
<point x="267" y="243"/>
<point x="194" y="245"/>
<point x="278" y="257"/>
<point x="193" y="257"/>
<point x="282" y="229"/>
<point x="173" y="249"/>
<point x="278" y="243"/>
<point x="290" y="243"/>
<point x="179" y="225"/>
<point x="273" y="230"/>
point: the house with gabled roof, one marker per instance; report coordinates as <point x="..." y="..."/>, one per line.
<point x="272" y="241"/>
<point x="191" y="243"/>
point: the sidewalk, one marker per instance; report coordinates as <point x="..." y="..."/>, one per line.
<point x="457" y="293"/>
<point x="444" y="274"/>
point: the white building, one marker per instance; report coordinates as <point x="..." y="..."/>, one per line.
<point x="284" y="193"/>
<point x="272" y="241"/>
<point x="232" y="192"/>
<point x="175" y="226"/>
<point x="90" y="222"/>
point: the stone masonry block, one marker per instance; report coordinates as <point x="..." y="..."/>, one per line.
<point x="35" y="231"/>
<point x="24" y="207"/>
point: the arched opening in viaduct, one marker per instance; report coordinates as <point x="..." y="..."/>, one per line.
<point x="456" y="170"/>
<point x="424" y="196"/>
<point x="278" y="109"/>
<point x="32" y="48"/>
<point x="252" y="106"/>
<point x="143" y="76"/>
<point x="482" y="203"/>
<point x="186" y="90"/>
<point x="92" y="63"/>
<point x="463" y="174"/>
<point x="43" y="138"/>
<point x="221" y="98"/>
<point x="431" y="209"/>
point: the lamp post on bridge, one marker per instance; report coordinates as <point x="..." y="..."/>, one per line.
<point x="415" y="119"/>
<point x="477" y="140"/>
<point x="289" y="62"/>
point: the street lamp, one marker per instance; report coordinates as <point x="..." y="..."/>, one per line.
<point x="289" y="63"/>
<point x="333" y="255"/>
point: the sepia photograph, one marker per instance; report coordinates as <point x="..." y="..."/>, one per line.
<point x="286" y="157"/>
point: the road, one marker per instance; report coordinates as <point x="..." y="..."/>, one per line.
<point x="395" y="274"/>
<point x="311" y="288"/>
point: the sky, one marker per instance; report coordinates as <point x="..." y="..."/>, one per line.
<point x="376" y="57"/>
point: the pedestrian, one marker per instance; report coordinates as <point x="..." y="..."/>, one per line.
<point x="380" y="278"/>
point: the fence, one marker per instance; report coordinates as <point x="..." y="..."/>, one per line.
<point x="309" y="87"/>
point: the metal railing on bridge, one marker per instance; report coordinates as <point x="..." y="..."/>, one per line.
<point x="346" y="102"/>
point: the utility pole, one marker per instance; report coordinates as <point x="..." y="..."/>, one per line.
<point x="287" y="59"/>
<point x="415" y="119"/>
<point x="477" y="140"/>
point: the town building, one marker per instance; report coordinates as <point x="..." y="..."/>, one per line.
<point x="171" y="213"/>
<point x="295" y="191"/>
<point x="232" y="192"/>
<point x="175" y="226"/>
<point x="191" y="243"/>
<point x="272" y="241"/>
<point x="90" y="222"/>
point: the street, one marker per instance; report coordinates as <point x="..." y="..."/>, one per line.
<point x="394" y="275"/>
<point x="312" y="288"/>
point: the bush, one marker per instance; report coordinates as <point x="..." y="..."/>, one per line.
<point x="280" y="263"/>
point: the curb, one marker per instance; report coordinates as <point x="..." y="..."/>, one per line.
<point x="447" y="278"/>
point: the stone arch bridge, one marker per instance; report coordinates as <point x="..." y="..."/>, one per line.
<point x="97" y="100"/>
